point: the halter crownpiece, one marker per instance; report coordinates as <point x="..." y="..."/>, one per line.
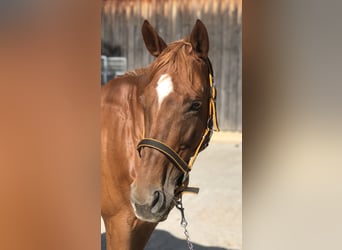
<point x="178" y="162"/>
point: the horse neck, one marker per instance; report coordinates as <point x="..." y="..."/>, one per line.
<point x="132" y="105"/>
<point x="121" y="107"/>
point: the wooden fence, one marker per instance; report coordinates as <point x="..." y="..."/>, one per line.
<point x="174" y="19"/>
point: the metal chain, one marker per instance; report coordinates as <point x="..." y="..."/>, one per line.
<point x="184" y="223"/>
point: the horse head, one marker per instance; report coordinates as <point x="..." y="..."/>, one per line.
<point x="176" y="105"/>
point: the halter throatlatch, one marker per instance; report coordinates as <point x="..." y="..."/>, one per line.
<point x="178" y="162"/>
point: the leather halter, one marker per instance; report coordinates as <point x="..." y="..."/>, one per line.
<point x="178" y="162"/>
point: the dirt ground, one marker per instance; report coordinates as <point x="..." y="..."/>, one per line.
<point x="214" y="215"/>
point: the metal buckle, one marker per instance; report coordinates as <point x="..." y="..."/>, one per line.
<point x="213" y="92"/>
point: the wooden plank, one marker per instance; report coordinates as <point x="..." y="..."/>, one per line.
<point x="232" y="87"/>
<point x="224" y="75"/>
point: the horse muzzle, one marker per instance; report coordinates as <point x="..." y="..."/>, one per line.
<point x="154" y="208"/>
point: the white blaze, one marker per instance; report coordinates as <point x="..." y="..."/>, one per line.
<point x="164" y="87"/>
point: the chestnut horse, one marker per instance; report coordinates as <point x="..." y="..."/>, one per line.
<point x="167" y="112"/>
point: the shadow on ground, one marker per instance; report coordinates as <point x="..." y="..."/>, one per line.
<point x="162" y="240"/>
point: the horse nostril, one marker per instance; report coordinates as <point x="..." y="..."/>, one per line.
<point x="155" y="198"/>
<point x="158" y="201"/>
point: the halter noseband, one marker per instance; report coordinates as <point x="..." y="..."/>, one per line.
<point x="178" y="162"/>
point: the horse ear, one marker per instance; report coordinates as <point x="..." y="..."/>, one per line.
<point x="154" y="43"/>
<point x="199" y="39"/>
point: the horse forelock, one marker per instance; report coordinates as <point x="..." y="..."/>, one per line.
<point x="177" y="59"/>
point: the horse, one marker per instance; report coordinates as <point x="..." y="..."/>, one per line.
<point x="154" y="122"/>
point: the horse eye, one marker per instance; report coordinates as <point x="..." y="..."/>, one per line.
<point x="195" y="106"/>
